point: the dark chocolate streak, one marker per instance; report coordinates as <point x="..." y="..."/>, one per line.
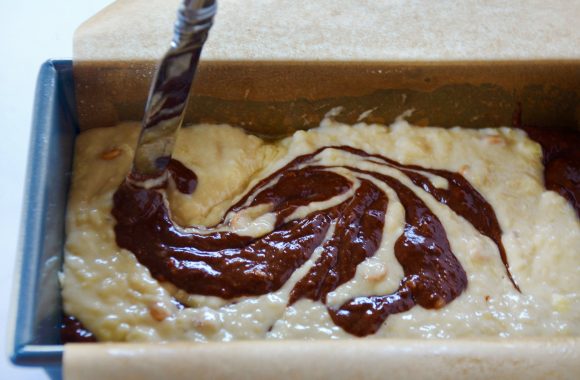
<point x="561" y="159"/>
<point x="223" y="263"/>
<point x="73" y="331"/>
<point x="185" y="180"/>
<point x="460" y="196"/>
<point x="433" y="276"/>
<point x="207" y="261"/>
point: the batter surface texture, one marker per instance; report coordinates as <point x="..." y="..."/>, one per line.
<point x="394" y="179"/>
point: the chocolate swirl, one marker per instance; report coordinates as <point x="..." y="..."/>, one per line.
<point x="216" y="261"/>
<point x="561" y="159"/>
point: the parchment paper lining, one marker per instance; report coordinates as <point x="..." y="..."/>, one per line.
<point x="344" y="30"/>
<point x="298" y="59"/>
<point x="337" y="360"/>
<point x="286" y="51"/>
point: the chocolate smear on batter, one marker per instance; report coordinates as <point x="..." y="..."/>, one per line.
<point x="218" y="262"/>
<point x="561" y="159"/>
<point x="73" y="331"/>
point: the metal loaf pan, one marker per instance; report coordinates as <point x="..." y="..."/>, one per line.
<point x="274" y="99"/>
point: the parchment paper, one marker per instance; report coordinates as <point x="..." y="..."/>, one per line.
<point x="337" y="360"/>
<point x="299" y="58"/>
<point x="284" y="50"/>
<point x="344" y="30"/>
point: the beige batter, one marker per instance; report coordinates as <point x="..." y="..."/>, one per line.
<point x="118" y="300"/>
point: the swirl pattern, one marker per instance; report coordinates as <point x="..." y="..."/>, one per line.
<point x="349" y="203"/>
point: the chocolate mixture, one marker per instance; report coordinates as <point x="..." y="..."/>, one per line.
<point x="206" y="261"/>
<point x="228" y="265"/>
<point x="561" y="149"/>
<point x="73" y="331"/>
